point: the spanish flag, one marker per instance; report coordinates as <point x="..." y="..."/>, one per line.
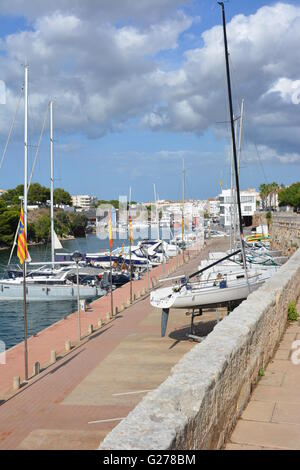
<point x="111" y="242"/>
<point x="130" y="230"/>
<point x="22" y="251"/>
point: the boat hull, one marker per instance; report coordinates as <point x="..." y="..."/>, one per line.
<point x="210" y="297"/>
<point x="47" y="293"/>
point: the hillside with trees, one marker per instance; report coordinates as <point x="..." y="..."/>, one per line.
<point x="65" y="223"/>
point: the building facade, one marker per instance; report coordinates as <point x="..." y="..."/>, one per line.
<point x="84" y="201"/>
<point x="228" y="206"/>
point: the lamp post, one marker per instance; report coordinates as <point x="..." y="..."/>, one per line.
<point x="148" y="283"/>
<point x="77" y="257"/>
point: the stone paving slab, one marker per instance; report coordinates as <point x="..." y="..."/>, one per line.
<point x="286" y="413"/>
<point x="259" y="411"/>
<point x="271" y="419"/>
<point x="278" y="435"/>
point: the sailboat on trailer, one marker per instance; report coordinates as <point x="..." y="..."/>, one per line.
<point x="219" y="289"/>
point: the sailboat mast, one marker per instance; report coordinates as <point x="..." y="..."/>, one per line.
<point x="233" y="134"/>
<point x="25" y="147"/>
<point x="182" y="220"/>
<point x="51" y="184"/>
<point x="240" y="135"/>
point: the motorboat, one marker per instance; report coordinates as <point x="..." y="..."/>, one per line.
<point x="49" y="288"/>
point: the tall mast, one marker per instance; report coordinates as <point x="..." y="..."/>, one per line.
<point x="51" y="184"/>
<point x="233" y="136"/>
<point x="240" y="135"/>
<point x="182" y="220"/>
<point x="25" y="147"/>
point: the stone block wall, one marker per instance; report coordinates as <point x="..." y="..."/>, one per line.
<point x="199" y="403"/>
<point x="286" y="232"/>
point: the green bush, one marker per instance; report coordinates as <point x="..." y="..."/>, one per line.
<point x="292" y="312"/>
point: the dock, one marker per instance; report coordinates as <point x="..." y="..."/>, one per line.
<point x="74" y="402"/>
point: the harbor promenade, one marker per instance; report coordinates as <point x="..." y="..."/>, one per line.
<point x="271" y="421"/>
<point x="75" y="402"/>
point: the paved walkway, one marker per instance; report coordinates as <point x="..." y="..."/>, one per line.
<point x="74" y="403"/>
<point x="55" y="336"/>
<point x="272" y="417"/>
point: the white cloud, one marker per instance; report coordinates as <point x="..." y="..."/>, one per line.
<point x="289" y="90"/>
<point x="269" y="154"/>
<point x="100" y="60"/>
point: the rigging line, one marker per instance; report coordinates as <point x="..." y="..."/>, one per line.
<point x="11" y="128"/>
<point x="38" y="148"/>
<point x="29" y="183"/>
<point x="261" y="164"/>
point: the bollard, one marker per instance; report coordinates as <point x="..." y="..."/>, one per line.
<point x="90" y="329"/>
<point x="68" y="345"/>
<point x="107" y="316"/>
<point x="53" y="357"/>
<point x="134" y="298"/>
<point x="16" y="383"/>
<point x="100" y="323"/>
<point x="116" y="311"/>
<point x="36" y="368"/>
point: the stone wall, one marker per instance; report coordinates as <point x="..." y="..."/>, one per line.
<point x="200" y="402"/>
<point x="285" y="232"/>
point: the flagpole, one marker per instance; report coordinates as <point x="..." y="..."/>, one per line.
<point x="25" y="322"/>
<point x="111" y="285"/>
<point x="130" y="244"/>
<point x="110" y="262"/>
<point x="25" y="307"/>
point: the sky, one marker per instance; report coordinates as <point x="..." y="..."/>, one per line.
<point x="140" y="85"/>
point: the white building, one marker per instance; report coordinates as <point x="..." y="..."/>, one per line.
<point x="83" y="201"/>
<point x="248" y="206"/>
<point x="213" y="206"/>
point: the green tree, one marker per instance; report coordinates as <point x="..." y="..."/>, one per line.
<point x="78" y="223"/>
<point x="290" y="196"/>
<point x="61" y="196"/>
<point x="42" y="229"/>
<point x="9" y="219"/>
<point x="62" y="223"/>
<point x="38" y="194"/>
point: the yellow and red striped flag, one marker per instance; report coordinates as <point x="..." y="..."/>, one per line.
<point x="130" y="229"/>
<point x="111" y="242"/>
<point x="22" y="251"/>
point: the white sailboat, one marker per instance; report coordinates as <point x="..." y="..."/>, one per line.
<point x="46" y="286"/>
<point x="222" y="288"/>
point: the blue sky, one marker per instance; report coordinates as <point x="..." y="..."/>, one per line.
<point x="154" y="95"/>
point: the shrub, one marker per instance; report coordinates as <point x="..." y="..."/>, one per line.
<point x="292" y="312"/>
